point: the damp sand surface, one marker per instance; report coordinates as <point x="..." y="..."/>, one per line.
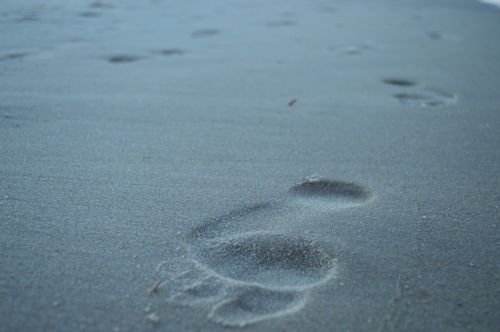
<point x="256" y="165"/>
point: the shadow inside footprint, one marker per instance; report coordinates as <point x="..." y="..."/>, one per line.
<point x="124" y="58"/>
<point x="253" y="305"/>
<point x="269" y="260"/>
<point x="329" y="193"/>
<point x="399" y="82"/>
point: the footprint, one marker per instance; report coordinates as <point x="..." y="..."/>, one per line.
<point x="170" y="52"/>
<point x="329" y="194"/>
<point x="124" y="58"/>
<point x="254" y="305"/>
<point x="310" y="197"/>
<point x="401" y="82"/>
<point x="14" y="56"/>
<point x="425" y="97"/>
<point x="249" y="266"/>
<point x="428" y="98"/>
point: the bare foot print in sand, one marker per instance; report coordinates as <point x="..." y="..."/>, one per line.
<point x="400" y="82"/>
<point x="124" y="58"/>
<point x="250" y="265"/>
<point x="428" y="98"/>
<point x="168" y="52"/>
<point x="423" y="98"/>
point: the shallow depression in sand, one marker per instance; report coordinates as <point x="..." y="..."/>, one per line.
<point x="429" y="98"/>
<point x="254" y="305"/>
<point x="401" y="82"/>
<point x="270" y="260"/>
<point x="329" y="193"/>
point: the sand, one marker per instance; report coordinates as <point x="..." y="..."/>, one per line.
<point x="249" y="165"/>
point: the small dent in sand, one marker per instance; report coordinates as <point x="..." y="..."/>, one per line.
<point x="399" y="82"/>
<point x="330" y="193"/>
<point x="171" y="51"/>
<point x="100" y="5"/>
<point x="89" y="14"/>
<point x="254" y="305"/>
<point x="14" y="56"/>
<point x="428" y="98"/>
<point x="203" y="33"/>
<point x="123" y="58"/>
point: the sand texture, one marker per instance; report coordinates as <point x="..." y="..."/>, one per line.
<point x="220" y="165"/>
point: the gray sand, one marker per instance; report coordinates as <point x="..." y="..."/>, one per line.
<point x="272" y="165"/>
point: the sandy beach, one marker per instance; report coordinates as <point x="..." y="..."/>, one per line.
<point x="250" y="165"/>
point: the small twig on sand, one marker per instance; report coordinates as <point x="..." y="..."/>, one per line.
<point x="156" y="287"/>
